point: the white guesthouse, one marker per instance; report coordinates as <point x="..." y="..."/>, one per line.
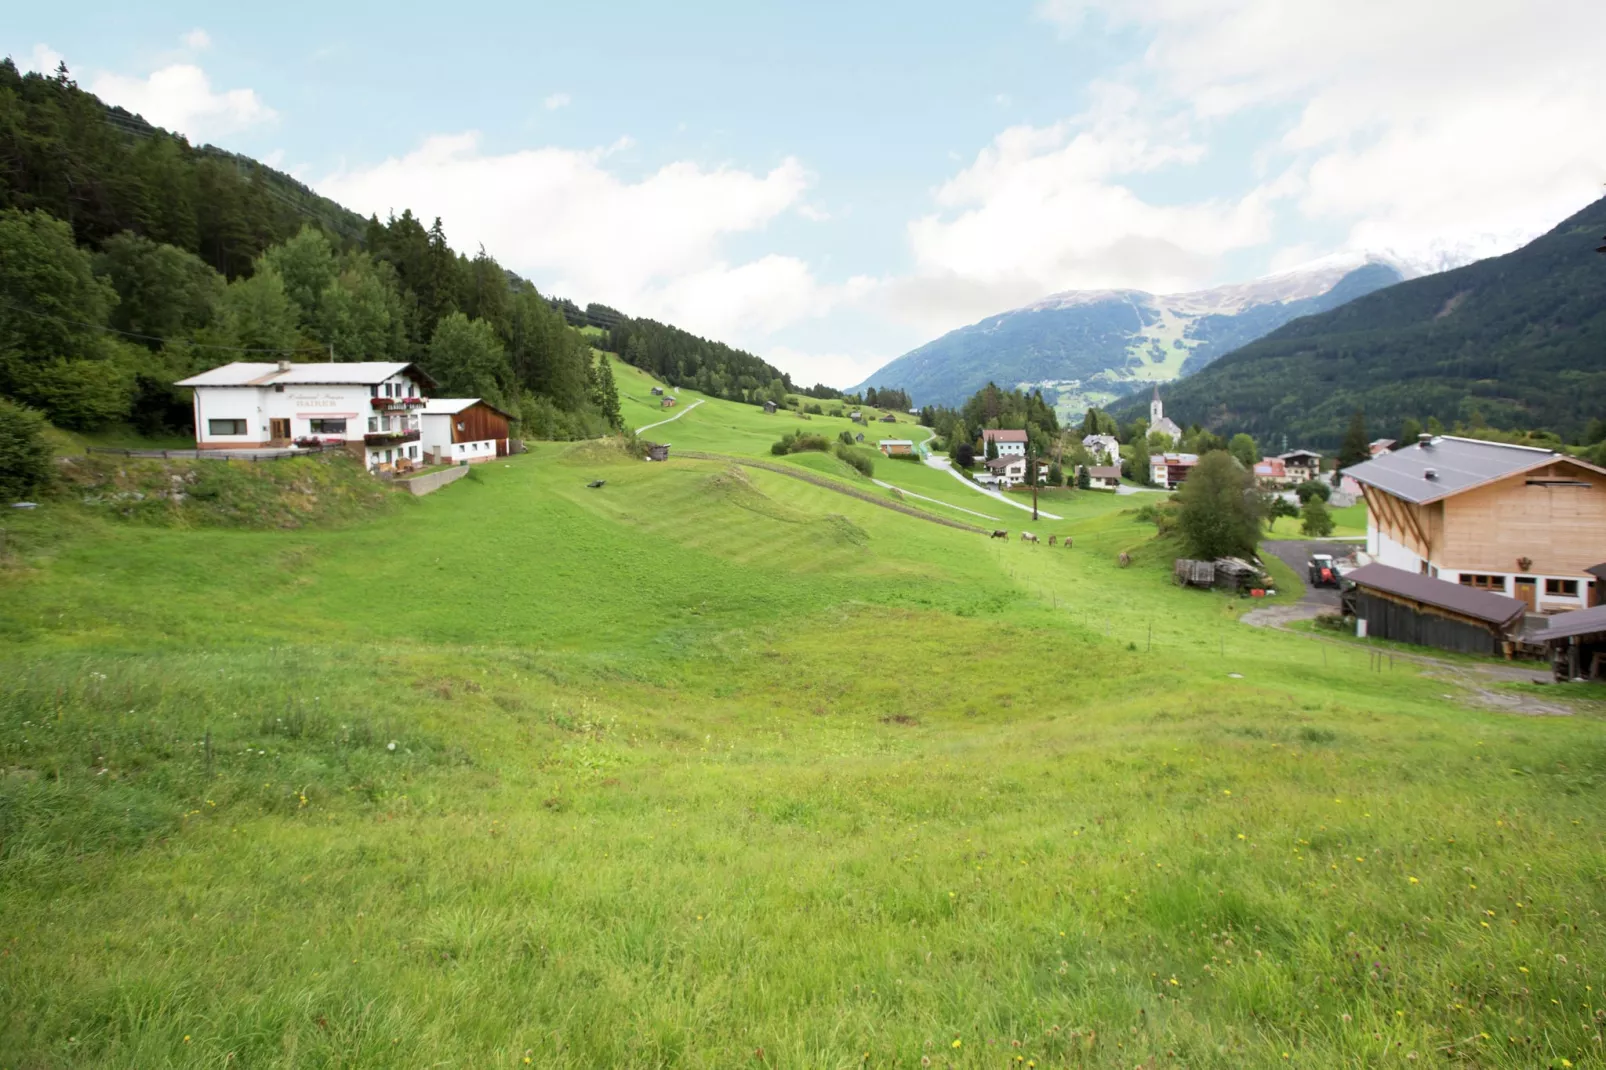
<point x="246" y="405"/>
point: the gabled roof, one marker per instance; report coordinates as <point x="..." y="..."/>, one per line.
<point x="1104" y="471"/>
<point x="1173" y="458"/>
<point x="897" y="442"/>
<point x="260" y="373"/>
<point x="1456" y="464"/>
<point x="1002" y="463"/>
<point x="1565" y="625"/>
<point x="1431" y="591"/>
<point x="1003" y="436"/>
<point x="453" y="406"/>
<point x="1298" y="453"/>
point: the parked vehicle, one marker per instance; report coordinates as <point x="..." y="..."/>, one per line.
<point x="1322" y="571"/>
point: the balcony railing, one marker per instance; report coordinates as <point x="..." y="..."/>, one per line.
<point x="398" y="403"/>
<point x="390" y="438"/>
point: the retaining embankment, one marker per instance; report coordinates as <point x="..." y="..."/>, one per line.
<point x="430" y="482"/>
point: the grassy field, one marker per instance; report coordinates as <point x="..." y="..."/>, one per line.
<point x="713" y="767"/>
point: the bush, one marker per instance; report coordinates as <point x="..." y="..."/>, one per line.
<point x="1313" y="488"/>
<point x="846" y="438"/>
<point x="25" y="465"/>
<point x="798" y="442"/>
<point x="965" y="456"/>
<point x="859" y="459"/>
<point x="814" y="410"/>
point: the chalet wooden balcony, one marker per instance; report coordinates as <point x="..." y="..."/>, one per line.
<point x="390" y="438"/>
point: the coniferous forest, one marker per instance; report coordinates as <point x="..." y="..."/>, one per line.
<point x="130" y="259"/>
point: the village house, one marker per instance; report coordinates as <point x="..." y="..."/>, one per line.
<point x="1159" y="421"/>
<point x="667" y="403"/>
<point x="1271" y="472"/>
<point x="1516" y="520"/>
<point x="463" y="429"/>
<point x="1010" y="443"/>
<point x="1103" y="477"/>
<point x="371" y="405"/>
<point x="1168" y="470"/>
<point x="1301" y="466"/>
<point x="1009" y="471"/>
<point x="897" y="447"/>
<point x="1105" y="446"/>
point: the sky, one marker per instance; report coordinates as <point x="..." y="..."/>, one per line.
<point x="831" y="184"/>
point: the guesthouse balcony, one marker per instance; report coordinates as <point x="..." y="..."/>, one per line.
<point x="398" y="404"/>
<point x="390" y="438"/>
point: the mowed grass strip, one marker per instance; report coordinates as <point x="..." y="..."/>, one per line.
<point x="712" y="767"/>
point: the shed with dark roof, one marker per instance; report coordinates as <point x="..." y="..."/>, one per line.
<point x="1413" y="608"/>
<point x="1575" y="641"/>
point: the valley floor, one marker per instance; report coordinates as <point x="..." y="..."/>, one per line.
<point x="712" y="767"/>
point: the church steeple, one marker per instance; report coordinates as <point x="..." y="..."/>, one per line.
<point x="1156" y="410"/>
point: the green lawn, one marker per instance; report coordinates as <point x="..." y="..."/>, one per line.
<point x="714" y="767"/>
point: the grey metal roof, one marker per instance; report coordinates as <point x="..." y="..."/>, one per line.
<point x="1104" y="471"/>
<point x="1564" y="625"/>
<point x="1432" y="591"/>
<point x="1457" y="464"/>
<point x="261" y="373"/>
<point x="447" y="406"/>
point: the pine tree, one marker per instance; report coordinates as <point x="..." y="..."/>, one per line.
<point x="1356" y="447"/>
<point x="604" y="394"/>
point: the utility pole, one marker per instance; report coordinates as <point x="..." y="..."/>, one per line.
<point x="1031" y="474"/>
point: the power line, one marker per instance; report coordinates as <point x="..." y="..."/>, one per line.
<point x="141" y="337"/>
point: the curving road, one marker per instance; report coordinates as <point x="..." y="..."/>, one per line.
<point x="941" y="464"/>
<point x="673" y="418"/>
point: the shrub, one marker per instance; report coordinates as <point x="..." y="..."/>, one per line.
<point x="798" y="442"/>
<point x="965" y="455"/>
<point x="25" y="465"/>
<point x="859" y="459"/>
<point x="1313" y="488"/>
<point x="846" y="438"/>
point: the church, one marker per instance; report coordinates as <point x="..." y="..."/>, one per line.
<point x="1159" y="421"/>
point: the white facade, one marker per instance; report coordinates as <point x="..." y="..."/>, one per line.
<point x="1105" y="445"/>
<point x="252" y="406"/>
<point x="1159" y="421"/>
<point x="441" y="419"/>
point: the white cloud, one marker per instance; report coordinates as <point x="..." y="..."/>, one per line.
<point x="555" y="101"/>
<point x="651" y="247"/>
<point x="1421" y="124"/>
<point x="197" y="40"/>
<point x="180" y="97"/>
<point x="834" y="369"/>
<point x="1051" y="208"/>
<point x="43" y="59"/>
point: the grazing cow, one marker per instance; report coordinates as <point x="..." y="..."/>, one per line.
<point x="1051" y="539"/>
<point x="1125" y="559"/>
<point x="1000" y="533"/>
<point x="1027" y="536"/>
<point x="1067" y="542"/>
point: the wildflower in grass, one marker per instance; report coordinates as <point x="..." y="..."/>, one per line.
<point x="1224" y="791"/>
<point x="958" y="1043"/>
<point x="186" y="1038"/>
<point x="1415" y="881"/>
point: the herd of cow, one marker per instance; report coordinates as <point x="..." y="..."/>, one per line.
<point x="1026" y="536"/>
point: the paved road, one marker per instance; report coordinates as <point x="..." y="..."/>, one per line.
<point x="942" y="465"/>
<point x="938" y="501"/>
<point x="673" y="418"/>
<point x="1296" y="553"/>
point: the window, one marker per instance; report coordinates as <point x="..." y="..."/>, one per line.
<point x="373" y="424"/>
<point x="374" y="390"/>
<point x="1483" y="583"/>
<point x="328" y="427"/>
<point x="1564" y="588"/>
<point x="412" y="451"/>
<point x="278" y="388"/>
<point x="388" y="393"/>
<point x="225" y="427"/>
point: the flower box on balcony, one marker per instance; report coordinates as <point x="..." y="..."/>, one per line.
<point x="390" y="438"/>
<point x="381" y="403"/>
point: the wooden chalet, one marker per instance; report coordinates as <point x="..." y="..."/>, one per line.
<point x="455" y="430"/>
<point x="1576" y="643"/>
<point x="1515" y="520"/>
<point x="1409" y="607"/>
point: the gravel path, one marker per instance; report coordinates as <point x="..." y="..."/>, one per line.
<point x="673" y="418"/>
<point x="942" y="465"/>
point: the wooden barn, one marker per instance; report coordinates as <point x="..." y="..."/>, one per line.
<point x="769" y="407"/>
<point x="1576" y="643"/>
<point x="455" y="430"/>
<point x="1409" y="607"/>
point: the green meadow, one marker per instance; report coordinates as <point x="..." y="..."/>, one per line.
<point x="715" y="767"/>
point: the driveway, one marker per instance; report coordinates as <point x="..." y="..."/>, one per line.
<point x="941" y="464"/>
<point x="1296" y="553"/>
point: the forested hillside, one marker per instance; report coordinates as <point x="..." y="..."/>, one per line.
<point x="130" y="258"/>
<point x="1088" y="347"/>
<point x="1516" y="341"/>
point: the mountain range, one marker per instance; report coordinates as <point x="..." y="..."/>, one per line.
<point x="1515" y="341"/>
<point x="1090" y="347"/>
